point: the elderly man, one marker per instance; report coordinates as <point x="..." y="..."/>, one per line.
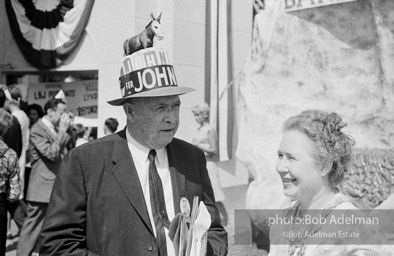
<point x="116" y="195"/>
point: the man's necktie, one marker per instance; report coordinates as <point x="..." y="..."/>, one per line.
<point x="158" y="204"/>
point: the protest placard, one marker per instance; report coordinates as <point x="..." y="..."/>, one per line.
<point x="81" y="96"/>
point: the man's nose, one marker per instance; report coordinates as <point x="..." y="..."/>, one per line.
<point x="171" y="116"/>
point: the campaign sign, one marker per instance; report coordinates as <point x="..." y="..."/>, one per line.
<point x="81" y="96"/>
<point x="295" y="5"/>
<point x="147" y="79"/>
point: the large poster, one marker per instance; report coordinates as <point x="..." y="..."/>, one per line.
<point x="295" y="5"/>
<point x="81" y="96"/>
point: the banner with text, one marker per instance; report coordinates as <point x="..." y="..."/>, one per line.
<point x="295" y="5"/>
<point x="81" y="96"/>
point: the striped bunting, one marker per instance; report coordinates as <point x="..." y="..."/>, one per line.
<point x="47" y="31"/>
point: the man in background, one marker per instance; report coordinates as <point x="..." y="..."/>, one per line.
<point x="48" y="140"/>
<point x="110" y="126"/>
<point x="14" y="107"/>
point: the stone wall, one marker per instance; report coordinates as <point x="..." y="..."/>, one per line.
<point x="336" y="58"/>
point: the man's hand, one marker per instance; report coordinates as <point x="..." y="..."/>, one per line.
<point x="65" y="122"/>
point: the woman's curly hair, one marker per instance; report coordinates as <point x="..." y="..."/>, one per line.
<point x="333" y="147"/>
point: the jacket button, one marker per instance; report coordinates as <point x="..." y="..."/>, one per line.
<point x="149" y="247"/>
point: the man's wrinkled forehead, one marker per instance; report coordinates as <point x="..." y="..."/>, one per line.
<point x="162" y="100"/>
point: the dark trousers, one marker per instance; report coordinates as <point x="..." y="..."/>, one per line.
<point x="28" y="238"/>
<point x="3" y="223"/>
<point x="17" y="211"/>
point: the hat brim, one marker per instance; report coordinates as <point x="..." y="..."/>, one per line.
<point x="164" y="91"/>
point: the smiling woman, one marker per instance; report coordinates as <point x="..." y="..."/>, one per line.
<point x="313" y="157"/>
<point x="299" y="172"/>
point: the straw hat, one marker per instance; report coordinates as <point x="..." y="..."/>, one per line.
<point x="147" y="73"/>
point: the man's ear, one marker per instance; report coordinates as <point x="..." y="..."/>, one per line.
<point x="128" y="109"/>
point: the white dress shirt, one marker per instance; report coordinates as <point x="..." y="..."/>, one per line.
<point x="139" y="153"/>
<point x="24" y="122"/>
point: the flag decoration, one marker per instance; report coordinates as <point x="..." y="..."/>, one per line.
<point x="222" y="115"/>
<point x="48" y="31"/>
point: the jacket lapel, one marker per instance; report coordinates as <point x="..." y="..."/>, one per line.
<point x="127" y="177"/>
<point x="177" y="176"/>
<point x="46" y="129"/>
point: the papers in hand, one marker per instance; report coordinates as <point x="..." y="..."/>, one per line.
<point x="189" y="229"/>
<point x="200" y="228"/>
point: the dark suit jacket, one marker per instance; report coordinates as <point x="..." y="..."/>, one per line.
<point x="46" y="152"/>
<point x="13" y="136"/>
<point x="97" y="206"/>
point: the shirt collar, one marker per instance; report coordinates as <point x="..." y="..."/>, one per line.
<point x="141" y="152"/>
<point x="48" y="123"/>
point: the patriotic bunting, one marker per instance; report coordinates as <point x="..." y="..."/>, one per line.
<point x="47" y="31"/>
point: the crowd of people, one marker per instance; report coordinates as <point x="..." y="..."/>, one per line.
<point x="33" y="141"/>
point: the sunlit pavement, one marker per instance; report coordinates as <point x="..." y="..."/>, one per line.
<point x="234" y="179"/>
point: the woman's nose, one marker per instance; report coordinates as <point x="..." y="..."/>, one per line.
<point x="281" y="166"/>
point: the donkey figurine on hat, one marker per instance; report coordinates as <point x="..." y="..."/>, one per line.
<point x="145" y="38"/>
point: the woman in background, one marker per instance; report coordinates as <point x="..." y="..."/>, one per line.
<point x="313" y="157"/>
<point x="9" y="178"/>
<point x="35" y="112"/>
<point x="206" y="140"/>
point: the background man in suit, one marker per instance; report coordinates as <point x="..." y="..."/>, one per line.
<point x="14" y="107"/>
<point x="102" y="200"/>
<point x="48" y="140"/>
